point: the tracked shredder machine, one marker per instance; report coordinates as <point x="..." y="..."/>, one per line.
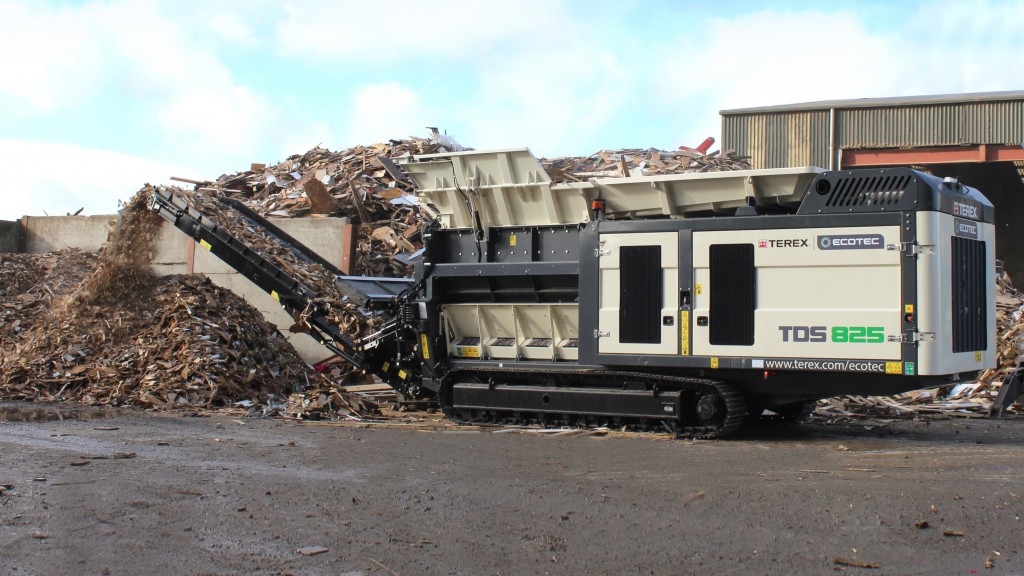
<point x="688" y="303"/>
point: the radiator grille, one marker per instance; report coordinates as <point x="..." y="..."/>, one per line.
<point x="733" y="294"/>
<point x="869" y="191"/>
<point x="640" y="294"/>
<point x="970" y="330"/>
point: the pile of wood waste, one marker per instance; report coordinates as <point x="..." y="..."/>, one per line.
<point x="968" y="399"/>
<point x="628" y="162"/>
<point x="361" y="183"/>
<point x="105" y="331"/>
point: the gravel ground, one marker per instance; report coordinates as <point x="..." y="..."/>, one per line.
<point x="137" y="493"/>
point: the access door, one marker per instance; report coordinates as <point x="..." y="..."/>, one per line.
<point x="639" y="293"/>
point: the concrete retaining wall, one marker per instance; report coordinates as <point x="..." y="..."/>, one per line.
<point x="178" y="254"/>
<point x="49" y="233"/>
<point x="10" y="236"/>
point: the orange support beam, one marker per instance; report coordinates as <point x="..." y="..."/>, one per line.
<point x="943" y="155"/>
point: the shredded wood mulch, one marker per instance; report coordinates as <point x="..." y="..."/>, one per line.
<point x="122" y="337"/>
<point x="30" y="284"/>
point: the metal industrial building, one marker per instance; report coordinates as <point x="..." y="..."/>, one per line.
<point x="976" y="138"/>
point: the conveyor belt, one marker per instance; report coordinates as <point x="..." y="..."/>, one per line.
<point x="296" y="298"/>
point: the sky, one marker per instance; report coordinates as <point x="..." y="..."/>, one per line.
<point x="98" y="98"/>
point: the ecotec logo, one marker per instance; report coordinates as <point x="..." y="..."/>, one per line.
<point x="851" y="242"/>
<point x="965" y="228"/>
<point x="965" y="210"/>
<point x="786" y="243"/>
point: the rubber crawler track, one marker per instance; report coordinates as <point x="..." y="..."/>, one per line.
<point x="731" y="397"/>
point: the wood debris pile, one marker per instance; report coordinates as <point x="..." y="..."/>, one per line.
<point x="122" y="337"/>
<point x="639" y="162"/>
<point x="31" y="284"/>
<point x="359" y="182"/>
<point x="350" y="319"/>
<point x="973" y="398"/>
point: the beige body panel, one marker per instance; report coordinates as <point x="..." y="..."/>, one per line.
<point x="608" y="315"/>
<point x="934" y="289"/>
<point x="512" y="331"/>
<point x="802" y="287"/>
<point x="511" y="188"/>
<point x="503" y="187"/>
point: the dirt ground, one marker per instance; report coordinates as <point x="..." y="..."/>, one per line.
<point x="137" y="493"/>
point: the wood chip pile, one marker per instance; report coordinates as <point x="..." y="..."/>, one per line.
<point x="31" y="284"/>
<point x="122" y="337"/>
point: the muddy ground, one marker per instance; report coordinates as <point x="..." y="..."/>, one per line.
<point x="137" y="493"/>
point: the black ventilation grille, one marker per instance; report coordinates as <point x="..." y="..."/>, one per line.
<point x="640" y="294"/>
<point x="868" y="191"/>
<point x="970" y="330"/>
<point x="733" y="294"/>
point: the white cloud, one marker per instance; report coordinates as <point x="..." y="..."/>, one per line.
<point x="554" y="103"/>
<point x="400" y="29"/>
<point x="227" y="119"/>
<point x="50" y="59"/>
<point x="387" y="110"/>
<point x="45" y="178"/>
<point x="229" y="26"/>
<point x="134" y="52"/>
<point x="964" y="47"/>
<point x="537" y="73"/>
<point x="769" y="58"/>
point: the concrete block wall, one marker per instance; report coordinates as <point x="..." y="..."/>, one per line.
<point x="178" y="254"/>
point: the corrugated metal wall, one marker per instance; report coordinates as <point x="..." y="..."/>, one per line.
<point x="801" y="138"/>
<point x="934" y="125"/>
<point x="779" y="140"/>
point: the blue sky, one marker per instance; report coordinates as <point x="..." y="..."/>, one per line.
<point x="100" y="97"/>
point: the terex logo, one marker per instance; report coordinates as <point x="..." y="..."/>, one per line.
<point x="787" y="243"/>
<point x="965" y="210"/>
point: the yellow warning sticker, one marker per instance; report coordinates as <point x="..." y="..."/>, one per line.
<point x="698" y="289"/>
<point x="275" y="295"/>
<point x="385" y="367"/>
<point x="424" y="347"/>
<point x="908" y="308"/>
<point x="468" y="351"/>
<point x="977" y="356"/>
<point x="512" y="240"/>
<point x="684" y="332"/>
<point x="714" y="362"/>
<point x="402" y="374"/>
<point x="205" y="244"/>
<point x="894" y="367"/>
